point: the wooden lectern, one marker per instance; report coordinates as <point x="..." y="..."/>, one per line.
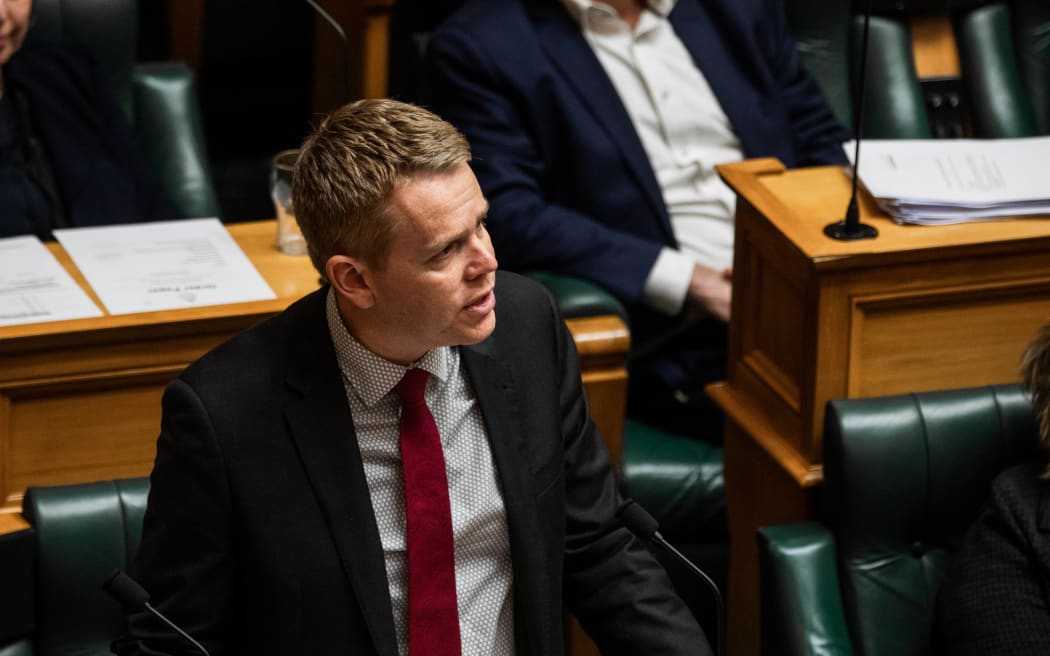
<point x="918" y="308"/>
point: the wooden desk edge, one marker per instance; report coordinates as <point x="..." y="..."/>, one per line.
<point x="11" y="522"/>
<point x="749" y="417"/>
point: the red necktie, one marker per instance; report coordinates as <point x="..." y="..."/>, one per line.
<point x="433" y="617"/>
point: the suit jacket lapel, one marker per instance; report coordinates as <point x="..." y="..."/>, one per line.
<point x="570" y="53"/>
<point x="321" y="425"/>
<point x="728" y="79"/>
<point x="494" y="387"/>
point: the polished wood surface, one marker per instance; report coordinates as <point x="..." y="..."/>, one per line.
<point x="933" y="46"/>
<point x="80" y="399"/>
<point x="919" y="308"/>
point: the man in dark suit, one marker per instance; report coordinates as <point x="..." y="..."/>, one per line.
<point x="596" y="127"/>
<point x="282" y="509"/>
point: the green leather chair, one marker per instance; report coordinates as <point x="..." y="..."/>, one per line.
<point x="52" y="573"/>
<point x="904" y="477"/>
<point x="1003" y="90"/>
<point x="159" y="98"/>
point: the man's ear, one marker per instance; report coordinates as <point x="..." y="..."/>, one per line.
<point x="349" y="278"/>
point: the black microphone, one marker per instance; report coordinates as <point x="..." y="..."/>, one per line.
<point x="642" y="524"/>
<point x="346" y="46"/>
<point x="851" y="229"/>
<point x="128" y="592"/>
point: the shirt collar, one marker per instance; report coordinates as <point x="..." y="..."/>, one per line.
<point x="371" y="376"/>
<point x="579" y="9"/>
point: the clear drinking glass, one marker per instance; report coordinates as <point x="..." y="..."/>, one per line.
<point x="289" y="238"/>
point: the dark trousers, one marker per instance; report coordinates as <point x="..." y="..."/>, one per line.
<point x="669" y="366"/>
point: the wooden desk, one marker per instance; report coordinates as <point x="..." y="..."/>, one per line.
<point x="80" y="399"/>
<point x="919" y="308"/>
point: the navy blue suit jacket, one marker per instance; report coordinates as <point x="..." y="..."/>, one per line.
<point x="570" y="185"/>
<point x="100" y="171"/>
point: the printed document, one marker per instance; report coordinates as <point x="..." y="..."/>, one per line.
<point x="955" y="180"/>
<point x="164" y="265"/>
<point x="35" y="288"/>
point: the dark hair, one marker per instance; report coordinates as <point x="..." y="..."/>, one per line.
<point x="1035" y="376"/>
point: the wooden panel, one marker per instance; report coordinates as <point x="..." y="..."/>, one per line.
<point x="377" y="52"/>
<point x="943" y="338"/>
<point x="933" y="46"/>
<point x="186" y="31"/>
<point x="81" y="435"/>
<point x="11" y="522"/>
<point x="777" y="500"/>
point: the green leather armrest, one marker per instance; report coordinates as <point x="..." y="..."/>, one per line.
<point x="83" y="533"/>
<point x="579" y="298"/>
<point x="676" y="478"/>
<point x="801" y="604"/>
<point x="168" y="124"/>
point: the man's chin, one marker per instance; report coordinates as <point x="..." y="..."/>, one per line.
<point x="480" y="331"/>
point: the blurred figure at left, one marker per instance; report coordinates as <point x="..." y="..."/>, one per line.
<point x="68" y="156"/>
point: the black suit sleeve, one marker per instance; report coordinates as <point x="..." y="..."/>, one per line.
<point x="817" y="134"/>
<point x="186" y="559"/>
<point x="614" y="586"/>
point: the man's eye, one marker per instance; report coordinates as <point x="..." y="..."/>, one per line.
<point x="446" y="251"/>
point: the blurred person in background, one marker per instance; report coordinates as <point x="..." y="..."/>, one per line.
<point x="68" y="156"/>
<point x="996" y="596"/>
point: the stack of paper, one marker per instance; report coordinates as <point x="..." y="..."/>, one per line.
<point x="951" y="181"/>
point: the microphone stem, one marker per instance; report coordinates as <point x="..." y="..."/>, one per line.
<point x="659" y="539"/>
<point x="156" y="613"/>
<point x="346" y="46"/>
<point x="853" y="211"/>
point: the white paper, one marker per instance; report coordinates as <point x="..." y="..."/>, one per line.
<point x="932" y="181"/>
<point x="164" y="265"/>
<point x="35" y="288"/>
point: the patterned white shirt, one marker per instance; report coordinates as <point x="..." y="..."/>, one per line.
<point x="482" y="549"/>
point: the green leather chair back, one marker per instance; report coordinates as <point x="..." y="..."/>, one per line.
<point x="904" y="477"/>
<point x="83" y="532"/>
<point x="1004" y="59"/>
<point x="159" y="98"/>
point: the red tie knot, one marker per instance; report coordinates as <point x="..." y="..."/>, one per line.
<point x="413" y="386"/>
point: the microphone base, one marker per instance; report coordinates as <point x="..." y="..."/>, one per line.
<point x="843" y="231"/>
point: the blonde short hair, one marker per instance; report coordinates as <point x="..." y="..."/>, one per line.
<point x="1035" y="376"/>
<point x="350" y="165"/>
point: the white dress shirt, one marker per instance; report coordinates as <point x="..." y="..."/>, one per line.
<point x="684" y="133"/>
<point x="479" y="524"/>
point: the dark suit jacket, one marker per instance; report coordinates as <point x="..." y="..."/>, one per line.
<point x="100" y="171"/>
<point x="260" y="538"/>
<point x="569" y="183"/>
<point x="996" y="596"/>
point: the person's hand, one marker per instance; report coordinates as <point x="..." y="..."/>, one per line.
<point x="711" y="290"/>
